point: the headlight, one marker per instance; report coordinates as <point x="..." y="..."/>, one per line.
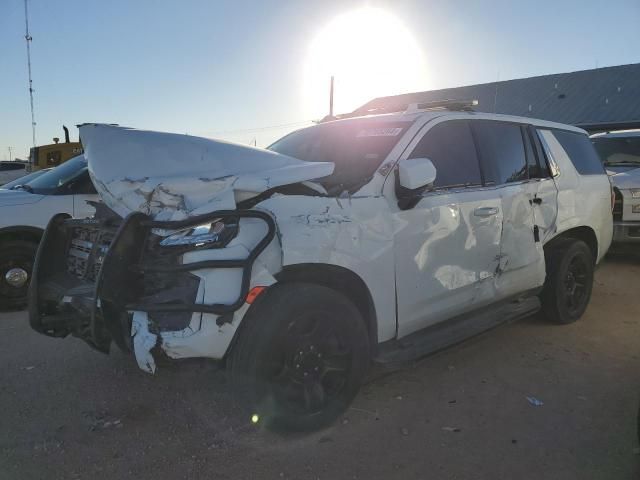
<point x="635" y="208"/>
<point x="212" y="235"/>
<point x="635" y="192"/>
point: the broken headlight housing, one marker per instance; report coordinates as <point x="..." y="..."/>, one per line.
<point x="216" y="234"/>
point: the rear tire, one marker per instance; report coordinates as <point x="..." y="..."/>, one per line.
<point x="301" y="356"/>
<point x="567" y="289"/>
<point x="16" y="265"/>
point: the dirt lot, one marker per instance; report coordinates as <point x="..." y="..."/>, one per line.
<point x="68" y="412"/>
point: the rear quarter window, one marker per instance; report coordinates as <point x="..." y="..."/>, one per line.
<point x="581" y="152"/>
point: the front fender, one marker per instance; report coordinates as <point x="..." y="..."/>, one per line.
<point x="354" y="233"/>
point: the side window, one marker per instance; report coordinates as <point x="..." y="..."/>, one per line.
<point x="501" y="151"/>
<point x="581" y="152"/>
<point x="449" y="145"/>
<point x="53" y="158"/>
<point x="81" y="185"/>
<point x="532" y="160"/>
<point x="543" y="163"/>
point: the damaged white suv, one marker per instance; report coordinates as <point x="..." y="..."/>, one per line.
<point x="379" y="238"/>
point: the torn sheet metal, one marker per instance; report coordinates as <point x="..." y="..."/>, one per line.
<point x="355" y="233"/>
<point x="172" y="176"/>
<point x="143" y="342"/>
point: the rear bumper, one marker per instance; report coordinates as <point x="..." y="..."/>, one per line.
<point x="626" y="232"/>
<point x="125" y="270"/>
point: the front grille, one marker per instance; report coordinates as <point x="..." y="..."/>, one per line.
<point x="86" y="251"/>
<point x="617" y="205"/>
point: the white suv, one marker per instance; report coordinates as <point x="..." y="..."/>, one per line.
<point x="620" y="153"/>
<point x="379" y="238"/>
<point x="25" y="210"/>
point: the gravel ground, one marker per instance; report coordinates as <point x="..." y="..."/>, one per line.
<point x="69" y="412"/>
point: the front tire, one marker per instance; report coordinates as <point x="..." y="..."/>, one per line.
<point x="301" y="356"/>
<point x="567" y="289"/>
<point x="16" y="265"/>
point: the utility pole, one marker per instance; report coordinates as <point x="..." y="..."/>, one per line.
<point x="331" y="98"/>
<point x="10" y="156"/>
<point x="28" y="38"/>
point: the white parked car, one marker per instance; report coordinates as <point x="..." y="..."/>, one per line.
<point x="25" y="210"/>
<point x="9" y="171"/>
<point x="23" y="180"/>
<point x="620" y="153"/>
<point x="379" y="238"/>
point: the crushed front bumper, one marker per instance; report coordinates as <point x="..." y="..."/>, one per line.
<point x="90" y="275"/>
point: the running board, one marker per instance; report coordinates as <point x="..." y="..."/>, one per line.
<point x="450" y="332"/>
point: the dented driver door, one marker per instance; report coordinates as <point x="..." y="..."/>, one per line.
<point x="447" y="246"/>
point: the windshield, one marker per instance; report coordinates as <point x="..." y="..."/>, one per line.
<point x="25" y="179"/>
<point x="49" y="182"/>
<point x="618" y="150"/>
<point x="357" y="147"/>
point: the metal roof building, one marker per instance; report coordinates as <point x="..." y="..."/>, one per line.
<point x="600" y="99"/>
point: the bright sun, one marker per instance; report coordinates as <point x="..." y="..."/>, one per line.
<point x="370" y="53"/>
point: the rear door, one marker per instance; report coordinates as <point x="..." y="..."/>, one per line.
<point x="502" y="149"/>
<point x="447" y="246"/>
<point x="545" y="191"/>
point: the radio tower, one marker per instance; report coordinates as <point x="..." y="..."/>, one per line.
<point x="28" y="38"/>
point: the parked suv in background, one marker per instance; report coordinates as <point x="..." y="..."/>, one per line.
<point x="620" y="153"/>
<point x="378" y="238"/>
<point x="25" y="210"/>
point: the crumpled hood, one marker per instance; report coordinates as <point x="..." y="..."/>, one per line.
<point x="10" y="198"/>
<point x="171" y="176"/>
<point x="625" y="179"/>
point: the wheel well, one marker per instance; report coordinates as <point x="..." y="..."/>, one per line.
<point x="586" y="234"/>
<point x="342" y="280"/>
<point x="31" y="234"/>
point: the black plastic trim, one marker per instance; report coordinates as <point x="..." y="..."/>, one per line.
<point x="246" y="264"/>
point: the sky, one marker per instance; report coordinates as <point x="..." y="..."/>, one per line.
<point x="253" y="71"/>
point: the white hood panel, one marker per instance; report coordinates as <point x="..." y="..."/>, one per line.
<point x="17" y="197"/>
<point x="626" y="179"/>
<point x="171" y="176"/>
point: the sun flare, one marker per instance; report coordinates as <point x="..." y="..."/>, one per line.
<point x="370" y="53"/>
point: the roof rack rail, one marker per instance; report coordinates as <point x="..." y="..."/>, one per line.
<point x="449" y="104"/>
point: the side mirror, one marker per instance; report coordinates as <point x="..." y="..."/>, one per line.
<point x="416" y="173"/>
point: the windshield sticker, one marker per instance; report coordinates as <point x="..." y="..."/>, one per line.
<point x="380" y="132"/>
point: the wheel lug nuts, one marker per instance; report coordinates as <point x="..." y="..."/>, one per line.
<point x="305" y="374"/>
<point x="316" y="369"/>
<point x="297" y="365"/>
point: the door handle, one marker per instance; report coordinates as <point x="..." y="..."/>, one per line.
<point x="485" y="211"/>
